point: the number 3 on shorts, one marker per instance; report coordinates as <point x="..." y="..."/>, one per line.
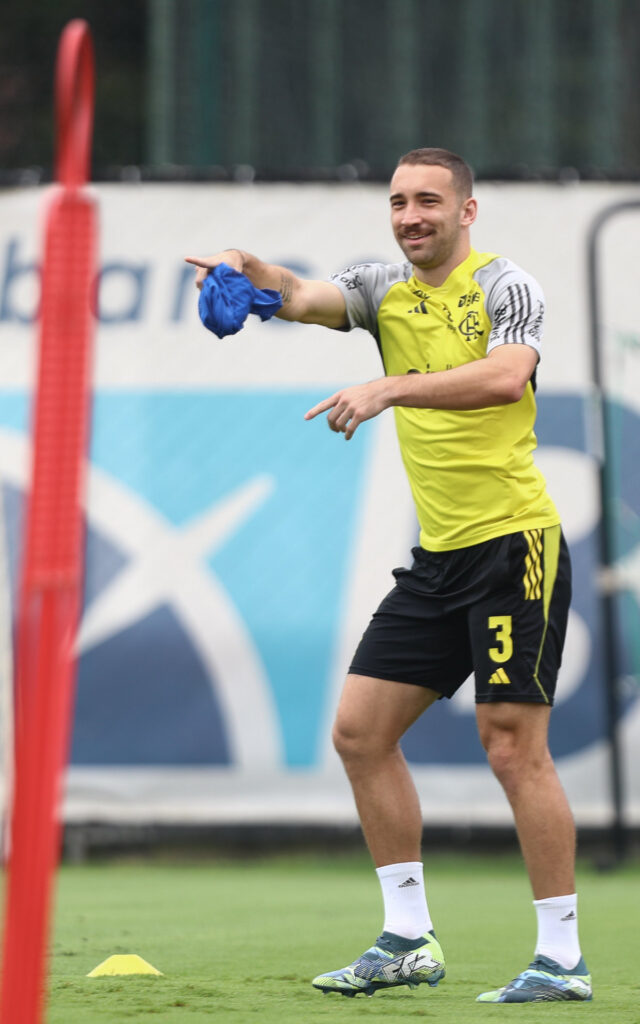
<point x="502" y="626"/>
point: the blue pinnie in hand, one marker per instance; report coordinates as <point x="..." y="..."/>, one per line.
<point x="227" y="297"/>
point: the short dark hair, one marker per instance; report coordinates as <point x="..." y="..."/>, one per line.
<point x="462" y="173"/>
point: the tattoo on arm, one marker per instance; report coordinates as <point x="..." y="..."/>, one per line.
<point x="286" y="287"/>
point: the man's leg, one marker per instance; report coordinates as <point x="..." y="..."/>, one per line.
<point x="372" y="716"/>
<point x="515" y="738"/>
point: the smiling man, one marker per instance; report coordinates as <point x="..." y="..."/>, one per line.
<point x="488" y="592"/>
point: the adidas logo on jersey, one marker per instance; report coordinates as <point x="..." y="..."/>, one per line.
<point x="420" y="308"/>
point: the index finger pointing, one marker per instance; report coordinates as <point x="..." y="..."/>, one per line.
<point x="199" y="262"/>
<point x="321" y="407"/>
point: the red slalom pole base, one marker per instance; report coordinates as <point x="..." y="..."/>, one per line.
<point x="41" y="745"/>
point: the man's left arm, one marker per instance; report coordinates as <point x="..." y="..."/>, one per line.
<point x="498" y="379"/>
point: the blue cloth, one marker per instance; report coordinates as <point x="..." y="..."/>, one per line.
<point x="227" y="298"/>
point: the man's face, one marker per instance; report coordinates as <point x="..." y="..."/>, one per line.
<point x="429" y="218"/>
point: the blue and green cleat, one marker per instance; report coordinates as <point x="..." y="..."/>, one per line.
<point x="544" y="981"/>
<point x="391" y="962"/>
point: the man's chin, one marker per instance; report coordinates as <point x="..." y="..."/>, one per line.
<point x="421" y="259"/>
<point x="424" y="254"/>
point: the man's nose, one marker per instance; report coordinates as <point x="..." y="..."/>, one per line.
<point x="410" y="214"/>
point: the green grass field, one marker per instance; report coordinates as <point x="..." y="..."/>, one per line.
<point x="239" y="942"/>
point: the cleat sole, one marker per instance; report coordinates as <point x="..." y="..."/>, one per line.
<point x="375" y="986"/>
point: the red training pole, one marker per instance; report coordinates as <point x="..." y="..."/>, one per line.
<point x="52" y="567"/>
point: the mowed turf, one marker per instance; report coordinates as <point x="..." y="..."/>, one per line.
<point x="240" y="941"/>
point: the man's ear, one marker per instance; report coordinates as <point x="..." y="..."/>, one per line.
<point x="469" y="212"/>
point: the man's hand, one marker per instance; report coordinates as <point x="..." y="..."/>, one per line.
<point x="352" y="406"/>
<point x="303" y="301"/>
<point x="234" y="258"/>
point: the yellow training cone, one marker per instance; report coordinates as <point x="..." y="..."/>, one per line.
<point x="122" y="963"/>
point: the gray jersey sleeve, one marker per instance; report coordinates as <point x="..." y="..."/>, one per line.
<point x="364" y="287"/>
<point x="515" y="305"/>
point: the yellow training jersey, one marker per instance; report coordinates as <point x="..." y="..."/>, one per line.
<point x="471" y="472"/>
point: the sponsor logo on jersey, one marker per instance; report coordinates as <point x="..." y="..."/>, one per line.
<point x="350" y="277"/>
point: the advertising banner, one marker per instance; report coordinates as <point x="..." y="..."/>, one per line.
<point x="236" y="552"/>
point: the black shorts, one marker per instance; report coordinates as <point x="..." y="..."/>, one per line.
<point x="498" y="609"/>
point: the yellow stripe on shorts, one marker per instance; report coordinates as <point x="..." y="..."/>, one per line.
<point x="552" y="536"/>
<point x="533" y="566"/>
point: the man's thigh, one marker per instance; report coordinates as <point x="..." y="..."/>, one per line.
<point x="526" y="724"/>
<point x="378" y="710"/>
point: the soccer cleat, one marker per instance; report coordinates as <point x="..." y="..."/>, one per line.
<point x="544" y="981"/>
<point x="392" y="961"/>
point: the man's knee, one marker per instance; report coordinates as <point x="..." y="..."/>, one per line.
<point x="374" y="714"/>
<point x="352" y="741"/>
<point x="515" y="740"/>
<point x="344" y="739"/>
<point x="504" y="755"/>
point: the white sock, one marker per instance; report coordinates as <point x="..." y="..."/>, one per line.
<point x="558" y="929"/>
<point x="405" y="904"/>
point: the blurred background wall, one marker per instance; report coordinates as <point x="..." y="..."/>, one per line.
<point x="235" y="553"/>
<point x="301" y="89"/>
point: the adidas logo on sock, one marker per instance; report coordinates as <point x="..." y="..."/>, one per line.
<point x="409" y="881"/>
<point x="571" y="916"/>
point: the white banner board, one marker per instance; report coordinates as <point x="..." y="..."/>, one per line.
<point x="236" y="552"/>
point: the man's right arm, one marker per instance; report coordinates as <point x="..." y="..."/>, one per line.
<point x="307" y="302"/>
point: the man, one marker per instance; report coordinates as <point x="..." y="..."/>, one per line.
<point x="489" y="590"/>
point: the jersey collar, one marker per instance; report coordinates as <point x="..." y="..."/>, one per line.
<point x="456" y="275"/>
